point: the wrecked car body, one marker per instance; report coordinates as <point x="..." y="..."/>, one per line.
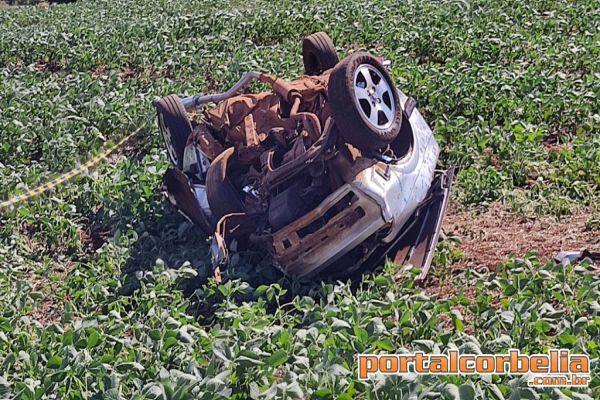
<point x="329" y="173"/>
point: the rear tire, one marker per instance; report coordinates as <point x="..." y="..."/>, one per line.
<point x="174" y="126"/>
<point x="318" y="53"/>
<point x="364" y="102"/>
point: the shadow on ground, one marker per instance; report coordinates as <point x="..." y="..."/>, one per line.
<point x="163" y="236"/>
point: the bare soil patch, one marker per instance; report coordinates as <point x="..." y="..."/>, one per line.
<point x="99" y="71"/>
<point x="50" y="66"/>
<point x="50" y="310"/>
<point x="491" y="237"/>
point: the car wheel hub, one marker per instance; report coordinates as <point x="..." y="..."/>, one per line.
<point x="164" y="130"/>
<point x="373" y="94"/>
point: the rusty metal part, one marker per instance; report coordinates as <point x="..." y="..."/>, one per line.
<point x="297" y="199"/>
<point x="298" y="148"/>
<point x="282" y="87"/>
<point x="220" y="241"/>
<point x="222" y="196"/>
<point x="217" y="274"/>
<point x="229" y="226"/>
<point x="287" y="91"/>
<point x="295" y="106"/>
<point x="290" y="169"/>
<point x="310" y="122"/>
<point x="247" y="121"/>
<point x="204" y="139"/>
<point x="226" y="226"/>
<point x="318" y="238"/>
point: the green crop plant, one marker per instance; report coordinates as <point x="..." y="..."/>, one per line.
<point x="106" y="292"/>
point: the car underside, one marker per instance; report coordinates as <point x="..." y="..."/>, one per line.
<point x="327" y="174"/>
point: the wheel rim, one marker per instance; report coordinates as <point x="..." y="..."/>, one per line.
<point x="166" y="134"/>
<point x="374" y="96"/>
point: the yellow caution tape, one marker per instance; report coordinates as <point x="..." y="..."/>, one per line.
<point x="69" y="175"/>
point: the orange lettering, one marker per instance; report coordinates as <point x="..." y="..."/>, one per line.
<point x="366" y="364"/>
<point x="438" y="364"/>
<point x="518" y="362"/>
<point x="388" y="364"/>
<point x="539" y="364"/>
<point x="580" y="364"/>
<point x="404" y="361"/>
<point x="463" y="363"/>
<point x="501" y="362"/>
<point x="484" y="364"/>
<point x="419" y="363"/>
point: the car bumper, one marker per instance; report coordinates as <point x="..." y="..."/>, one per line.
<point x="341" y="222"/>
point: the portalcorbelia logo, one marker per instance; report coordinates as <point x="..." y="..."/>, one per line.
<point x="558" y="368"/>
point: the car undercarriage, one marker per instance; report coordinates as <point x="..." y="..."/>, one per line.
<point x="328" y="174"/>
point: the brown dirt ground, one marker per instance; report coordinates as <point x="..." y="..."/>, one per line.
<point x="491" y="237"/>
<point x="48" y="312"/>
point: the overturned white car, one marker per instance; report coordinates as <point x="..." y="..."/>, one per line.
<point x="329" y="173"/>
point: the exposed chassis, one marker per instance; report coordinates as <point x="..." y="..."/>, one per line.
<point x="387" y="208"/>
